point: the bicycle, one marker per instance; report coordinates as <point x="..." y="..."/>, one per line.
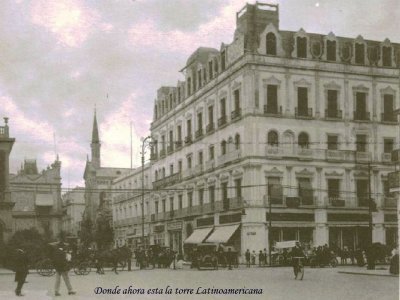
<point x="298" y="268"/>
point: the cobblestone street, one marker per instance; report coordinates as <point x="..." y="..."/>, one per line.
<point x="277" y="283"/>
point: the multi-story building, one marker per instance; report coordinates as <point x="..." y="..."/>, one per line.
<point x="128" y="196"/>
<point x="37" y="197"/>
<point x="6" y="205"/>
<point x="73" y="203"/>
<point x="301" y="121"/>
<point x="98" y="184"/>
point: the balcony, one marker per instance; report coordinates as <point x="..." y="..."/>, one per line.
<point x="188" y="140"/>
<point x="272" y="111"/>
<point x="210" y="128"/>
<point x="222" y="121"/>
<point x="303" y="113"/>
<point x="170" y="180"/>
<point x="274" y="151"/>
<point x="236" y="114"/>
<point x="361" y="115"/>
<point x="162" y="153"/>
<point x="336" y="202"/>
<point x="178" y="145"/>
<point x="389" y="118"/>
<point x="333" y="114"/>
<point x="230" y="156"/>
<point x="363" y="157"/>
<point x="170" y="149"/>
<point x="304" y="153"/>
<point x="386" y="158"/>
<point x="210" y="164"/>
<point x="199" y="133"/>
<point x="389" y="202"/>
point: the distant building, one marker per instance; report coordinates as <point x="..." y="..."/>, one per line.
<point x="37" y="197"/>
<point x="6" y="204"/>
<point x="73" y="208"/>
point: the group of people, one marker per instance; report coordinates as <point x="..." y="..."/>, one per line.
<point x="251" y="257"/>
<point x="60" y="258"/>
<point x="162" y="258"/>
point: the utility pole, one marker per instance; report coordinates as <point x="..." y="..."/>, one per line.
<point x="269" y="225"/>
<point x="369" y="203"/>
<point x="145" y="143"/>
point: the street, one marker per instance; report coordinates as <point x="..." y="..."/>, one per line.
<point x="276" y="283"/>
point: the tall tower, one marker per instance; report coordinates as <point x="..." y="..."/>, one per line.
<point x="6" y="144"/>
<point x="95" y="145"/>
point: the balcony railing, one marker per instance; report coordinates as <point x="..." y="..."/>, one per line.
<point x="274" y="151"/>
<point x="386" y="157"/>
<point x="361" y="115"/>
<point x="305" y="153"/>
<point x="169" y="180"/>
<point x="363" y="157"/>
<point x="389" y="117"/>
<point x="333" y="114"/>
<point x="210" y="128"/>
<point x="303" y="113"/>
<point x="236" y="114"/>
<point x="336" y="201"/>
<point x="222" y="121"/>
<point x="230" y="156"/>
<point x="188" y="139"/>
<point x="198" y="133"/>
<point x="272" y="110"/>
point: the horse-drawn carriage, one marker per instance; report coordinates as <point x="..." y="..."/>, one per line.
<point x="213" y="256"/>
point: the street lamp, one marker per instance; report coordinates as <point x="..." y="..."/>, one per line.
<point x="146" y="142"/>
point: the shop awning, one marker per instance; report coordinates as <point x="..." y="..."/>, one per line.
<point x="44" y="200"/>
<point x="222" y="234"/>
<point x="198" y="235"/>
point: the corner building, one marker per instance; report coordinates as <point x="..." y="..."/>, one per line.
<point x="300" y="119"/>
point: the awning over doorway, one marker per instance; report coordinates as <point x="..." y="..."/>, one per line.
<point x="222" y="234"/>
<point x="198" y="235"/>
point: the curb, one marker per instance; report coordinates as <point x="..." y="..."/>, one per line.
<point x="367" y="274"/>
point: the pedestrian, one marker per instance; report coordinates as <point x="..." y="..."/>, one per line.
<point x="229" y="258"/>
<point x="21" y="270"/>
<point x="253" y="258"/>
<point x="247" y="255"/>
<point x="61" y="265"/>
<point x="265" y="256"/>
<point x="260" y="258"/>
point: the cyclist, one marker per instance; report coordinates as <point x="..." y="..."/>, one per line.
<point x="297" y="251"/>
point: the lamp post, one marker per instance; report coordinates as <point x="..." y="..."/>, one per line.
<point x="146" y="142"/>
<point x="269" y="225"/>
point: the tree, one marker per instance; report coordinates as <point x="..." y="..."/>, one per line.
<point x="104" y="232"/>
<point x="86" y="233"/>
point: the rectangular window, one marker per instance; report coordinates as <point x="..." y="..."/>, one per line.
<point x="333" y="189"/>
<point x="171" y="204"/>
<point x="223" y="58"/>
<point x="388" y="108"/>
<point x="189" y="88"/>
<point x="190" y="199"/>
<point x="210" y="114"/>
<point x="238" y="188"/>
<point x="223" y="107"/>
<point x="332" y="104"/>
<point x="199" y="121"/>
<point x="306" y="192"/>
<point x="388" y="145"/>
<point x="361" y="106"/>
<point x="362" y="192"/>
<point x="361" y="143"/>
<point x="301" y="47"/>
<point x="189" y="128"/>
<point x="211" y="152"/>
<point x="210" y="70"/>
<point x="333" y="142"/>
<point x="224" y="195"/>
<point x="163" y="142"/>
<point x="171" y="140"/>
<point x="179" y="133"/>
<point x="211" y="192"/>
<point x="387" y="56"/>
<point x="163" y="206"/>
<point x="189" y="162"/>
<point x="236" y="94"/>
<point x="171" y="169"/>
<point x="156" y="207"/>
<point x="275" y="190"/>
<point x="199" y="79"/>
<point x="272" y="99"/>
<point x="180" y="202"/>
<point x="359" y="54"/>
<point x="180" y="166"/>
<point x="302" y="101"/>
<point x="201" y="197"/>
<point x="200" y="157"/>
<point x="331" y="50"/>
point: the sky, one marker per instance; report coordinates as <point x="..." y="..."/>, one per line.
<point x="61" y="58"/>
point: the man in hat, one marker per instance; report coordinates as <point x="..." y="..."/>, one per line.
<point x="61" y="265"/>
<point x="21" y="269"/>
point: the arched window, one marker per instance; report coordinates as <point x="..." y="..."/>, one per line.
<point x="273" y="138"/>
<point x="387" y="56"/>
<point x="331" y="50"/>
<point x="359" y="54"/>
<point x="271" y="44"/>
<point x="303" y="140"/>
<point x="163" y="172"/>
<point x="223" y="147"/>
<point x="237" y="141"/>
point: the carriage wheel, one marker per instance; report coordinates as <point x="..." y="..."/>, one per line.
<point x="45" y="268"/>
<point x="83" y="269"/>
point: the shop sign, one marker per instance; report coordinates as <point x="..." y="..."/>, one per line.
<point x="174" y="226"/>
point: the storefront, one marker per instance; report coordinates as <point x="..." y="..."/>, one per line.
<point x="352" y="237"/>
<point x="175" y="236"/>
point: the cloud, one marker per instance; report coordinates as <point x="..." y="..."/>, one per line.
<point x="69" y="20"/>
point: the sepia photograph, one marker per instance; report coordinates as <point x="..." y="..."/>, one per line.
<point x="199" y="149"/>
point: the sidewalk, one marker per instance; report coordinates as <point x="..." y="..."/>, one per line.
<point x="353" y="270"/>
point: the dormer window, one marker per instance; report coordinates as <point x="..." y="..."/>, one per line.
<point x="387" y="56"/>
<point x="359" y="54"/>
<point x="271" y="43"/>
<point x="301" y="47"/>
<point x="331" y="50"/>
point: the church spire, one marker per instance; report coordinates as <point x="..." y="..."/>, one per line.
<point x="95" y="145"/>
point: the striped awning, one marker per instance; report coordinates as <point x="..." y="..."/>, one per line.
<point x="222" y="234"/>
<point x="198" y="236"/>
